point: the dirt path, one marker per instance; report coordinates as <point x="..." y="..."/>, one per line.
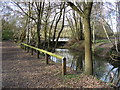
<point x="22" y="70"/>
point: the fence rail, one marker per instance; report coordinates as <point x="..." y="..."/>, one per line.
<point x="28" y="47"/>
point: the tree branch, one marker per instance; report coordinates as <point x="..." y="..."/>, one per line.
<point x="25" y="12"/>
<point x="76" y="9"/>
<point x="79" y="6"/>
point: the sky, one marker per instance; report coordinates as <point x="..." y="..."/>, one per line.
<point x="113" y="25"/>
<point x="64" y="0"/>
<point x="112" y="21"/>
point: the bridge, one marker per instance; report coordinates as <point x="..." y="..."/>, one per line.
<point x="62" y="41"/>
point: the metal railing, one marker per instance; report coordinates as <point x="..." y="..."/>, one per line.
<point x="28" y="47"/>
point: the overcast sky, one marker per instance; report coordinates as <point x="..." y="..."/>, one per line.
<point x="113" y="24"/>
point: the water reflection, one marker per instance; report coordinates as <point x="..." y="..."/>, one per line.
<point x="114" y="73"/>
<point x="103" y="69"/>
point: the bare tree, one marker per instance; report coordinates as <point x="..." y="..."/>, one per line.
<point x="85" y="14"/>
<point x="61" y="26"/>
<point x="118" y="20"/>
<point x="39" y="8"/>
<point x="56" y="24"/>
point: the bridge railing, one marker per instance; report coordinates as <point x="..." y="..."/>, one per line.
<point x="27" y="47"/>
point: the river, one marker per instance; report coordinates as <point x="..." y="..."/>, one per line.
<point x="103" y="69"/>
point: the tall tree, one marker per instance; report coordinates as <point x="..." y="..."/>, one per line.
<point x="56" y="24"/>
<point x="39" y="8"/>
<point x="85" y="13"/>
<point x="61" y="26"/>
<point x="118" y="20"/>
<point x="75" y="24"/>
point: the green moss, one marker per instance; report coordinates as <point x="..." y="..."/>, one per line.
<point x="69" y="76"/>
<point x="7" y="34"/>
<point x="100" y="49"/>
<point x="98" y="41"/>
<point x="74" y="45"/>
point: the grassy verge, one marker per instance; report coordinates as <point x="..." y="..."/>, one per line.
<point x="98" y="41"/>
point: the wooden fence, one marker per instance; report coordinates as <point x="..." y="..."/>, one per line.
<point x="28" y="47"/>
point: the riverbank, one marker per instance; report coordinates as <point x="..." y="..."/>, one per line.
<point x="22" y="70"/>
<point x="101" y="49"/>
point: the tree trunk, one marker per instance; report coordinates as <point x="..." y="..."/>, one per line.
<point x="93" y="32"/>
<point x="81" y="29"/>
<point x="49" y="36"/>
<point x="27" y="31"/>
<point x="88" y="49"/>
<point x="85" y="14"/>
<point x="55" y="29"/>
<point x="118" y="21"/>
<point x="45" y="34"/>
<point x="56" y="24"/>
<point x="107" y="34"/>
<point x="38" y="35"/>
<point x="60" y="29"/>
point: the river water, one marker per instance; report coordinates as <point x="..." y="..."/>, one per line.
<point x="104" y="70"/>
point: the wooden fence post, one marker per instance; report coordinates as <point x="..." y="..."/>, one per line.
<point x="35" y="50"/>
<point x="64" y="66"/>
<point x="25" y="48"/>
<point x="38" y="54"/>
<point x="46" y="58"/>
<point x="31" y="51"/>
<point x="21" y="46"/>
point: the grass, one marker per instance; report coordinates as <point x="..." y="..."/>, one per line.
<point x="7" y="35"/>
<point x="70" y="76"/>
<point x="98" y="41"/>
<point x="100" y="49"/>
